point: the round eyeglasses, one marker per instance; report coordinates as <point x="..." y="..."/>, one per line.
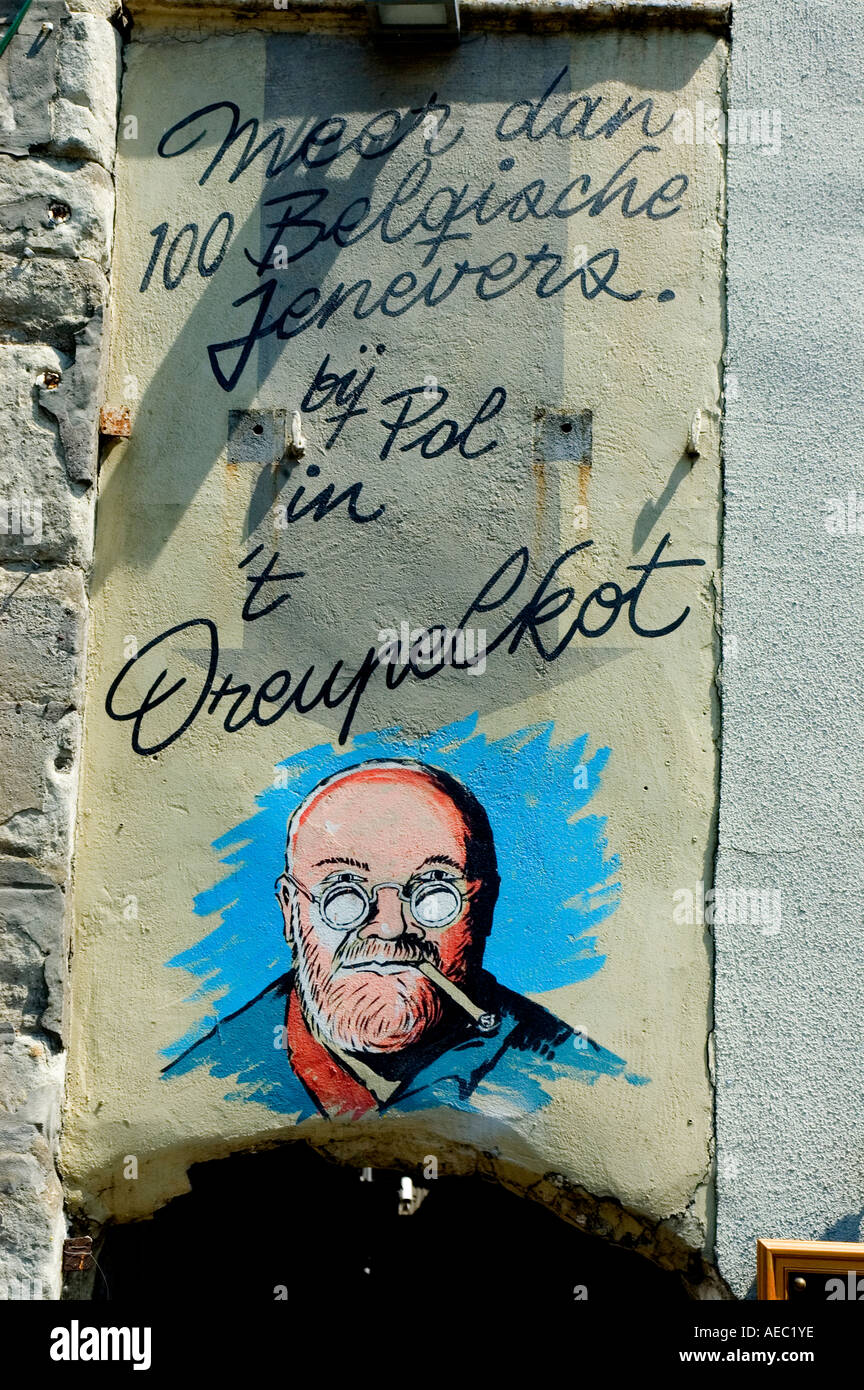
<point x="346" y="904"/>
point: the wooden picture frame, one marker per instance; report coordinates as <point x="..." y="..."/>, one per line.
<point x="777" y="1260"/>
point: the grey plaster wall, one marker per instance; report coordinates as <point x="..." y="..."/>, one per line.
<point x="790" y="1124"/>
<point x="58" y="100"/>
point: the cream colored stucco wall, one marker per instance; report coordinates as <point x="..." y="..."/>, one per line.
<point x="171" y="529"/>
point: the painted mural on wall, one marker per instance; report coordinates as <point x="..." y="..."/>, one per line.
<point x="391" y="901"/>
<point x="401" y="689"/>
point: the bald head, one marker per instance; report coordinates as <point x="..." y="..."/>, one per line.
<point x="389" y="864"/>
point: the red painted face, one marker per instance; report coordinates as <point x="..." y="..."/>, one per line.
<point x="357" y="979"/>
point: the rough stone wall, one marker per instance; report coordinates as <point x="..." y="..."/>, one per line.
<point x="58" y="102"/>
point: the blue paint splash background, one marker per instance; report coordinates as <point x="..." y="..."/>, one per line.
<point x="558" y="880"/>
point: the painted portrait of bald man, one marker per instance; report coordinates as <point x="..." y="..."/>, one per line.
<point x="387" y="900"/>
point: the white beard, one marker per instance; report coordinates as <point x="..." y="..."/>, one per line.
<point x="361" y="1011"/>
<point x="366" y="1012"/>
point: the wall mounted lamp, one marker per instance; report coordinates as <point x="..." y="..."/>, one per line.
<point x="415" y="19"/>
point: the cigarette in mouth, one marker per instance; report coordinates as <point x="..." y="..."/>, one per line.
<point x="485" y="1021"/>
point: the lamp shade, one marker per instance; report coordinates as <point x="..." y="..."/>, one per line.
<point x="414" y="18"/>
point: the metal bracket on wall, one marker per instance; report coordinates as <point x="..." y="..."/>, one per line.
<point x="560" y="436"/>
<point x="256" y="436"/>
<point x="561" y="463"/>
<point x="115" y="422"/>
<point x="77" y="1254"/>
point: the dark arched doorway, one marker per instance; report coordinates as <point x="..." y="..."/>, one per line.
<point x="287" y="1224"/>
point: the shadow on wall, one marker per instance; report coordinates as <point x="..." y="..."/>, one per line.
<point x="849" y="1227"/>
<point x="287" y="1225"/>
<point x="461" y="523"/>
<point x="471" y="74"/>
